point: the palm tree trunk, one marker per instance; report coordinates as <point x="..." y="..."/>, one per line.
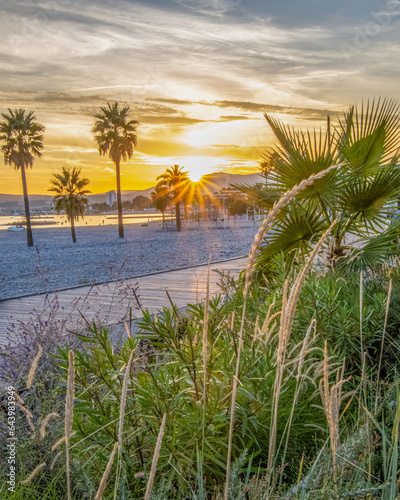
<point x="73" y="229"/>
<point x="27" y="212"/>
<point x="119" y="200"/>
<point x="178" y="216"/>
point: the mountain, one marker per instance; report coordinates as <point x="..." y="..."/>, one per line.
<point x="221" y="180"/>
<point x="214" y="182"/>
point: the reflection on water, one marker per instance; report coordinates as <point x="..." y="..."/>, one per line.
<point x="89" y="220"/>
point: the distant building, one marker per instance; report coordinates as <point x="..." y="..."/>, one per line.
<point x="111" y="198"/>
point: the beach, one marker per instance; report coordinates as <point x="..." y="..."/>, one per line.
<point x="54" y="262"/>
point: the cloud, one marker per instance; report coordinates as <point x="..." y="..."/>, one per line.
<point x="188" y="68"/>
<point x="258" y="108"/>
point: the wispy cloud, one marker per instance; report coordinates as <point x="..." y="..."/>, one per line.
<point x="198" y="74"/>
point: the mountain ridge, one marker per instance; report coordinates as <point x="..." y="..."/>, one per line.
<point x="217" y="180"/>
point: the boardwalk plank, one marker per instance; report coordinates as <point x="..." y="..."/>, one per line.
<point x="184" y="286"/>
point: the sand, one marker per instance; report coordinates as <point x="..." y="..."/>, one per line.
<point x="99" y="255"/>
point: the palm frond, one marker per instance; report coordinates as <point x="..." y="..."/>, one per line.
<point x="259" y="195"/>
<point x="70" y="192"/>
<point x="298" y="156"/>
<point x="377" y="250"/>
<point x="369" y="136"/>
<point x="22" y="137"/>
<point x="293" y="233"/>
<point x="368" y="198"/>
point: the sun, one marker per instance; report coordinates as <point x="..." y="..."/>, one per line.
<point x="195" y="175"/>
<point x="197" y="166"/>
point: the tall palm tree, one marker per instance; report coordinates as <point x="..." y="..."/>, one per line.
<point x="161" y="198"/>
<point x="23" y="138"/>
<point x="115" y="134"/>
<point x="359" y="194"/>
<point x="70" y="195"/>
<point x="175" y="181"/>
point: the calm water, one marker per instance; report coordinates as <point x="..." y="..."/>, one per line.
<point x="89" y="220"/>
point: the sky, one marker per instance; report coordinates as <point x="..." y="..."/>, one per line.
<point x="197" y="74"/>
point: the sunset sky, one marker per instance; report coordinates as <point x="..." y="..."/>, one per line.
<point x="198" y="75"/>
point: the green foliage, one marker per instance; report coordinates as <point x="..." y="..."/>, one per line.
<point x="70" y="195"/>
<point x="167" y="375"/>
<point x="114" y="132"/>
<point x="173" y="186"/>
<point x="358" y="194"/>
<point x="22" y="137"/>
<point x="70" y="192"/>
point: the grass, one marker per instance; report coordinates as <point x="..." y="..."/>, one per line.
<point x="264" y="393"/>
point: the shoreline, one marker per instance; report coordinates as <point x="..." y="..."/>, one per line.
<point x="91" y="220"/>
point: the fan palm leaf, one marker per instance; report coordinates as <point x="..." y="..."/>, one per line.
<point x="369" y="136"/>
<point x="293" y="233"/>
<point x="368" y="198"/>
<point x="298" y="156"/>
<point x="358" y="194"/>
<point x="376" y="250"/>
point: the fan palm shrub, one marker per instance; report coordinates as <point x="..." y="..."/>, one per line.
<point x="360" y="193"/>
<point x="23" y="142"/>
<point x="177" y="183"/>
<point x="115" y="134"/>
<point x="70" y="195"/>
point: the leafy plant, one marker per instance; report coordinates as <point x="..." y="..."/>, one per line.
<point x="359" y="194"/>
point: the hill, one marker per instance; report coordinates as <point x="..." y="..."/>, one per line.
<point x="214" y="182"/>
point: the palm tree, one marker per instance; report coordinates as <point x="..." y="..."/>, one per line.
<point x="23" y="138"/>
<point x="161" y="198"/>
<point x="176" y="182"/>
<point x="358" y="194"/>
<point x="115" y="134"/>
<point x="70" y="195"/>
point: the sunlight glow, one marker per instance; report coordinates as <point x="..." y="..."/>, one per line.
<point x="197" y="166"/>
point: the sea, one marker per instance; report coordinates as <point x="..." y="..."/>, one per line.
<point x="54" y="220"/>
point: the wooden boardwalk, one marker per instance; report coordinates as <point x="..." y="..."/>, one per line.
<point x="111" y="303"/>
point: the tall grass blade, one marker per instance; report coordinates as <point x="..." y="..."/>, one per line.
<point x="155" y="460"/>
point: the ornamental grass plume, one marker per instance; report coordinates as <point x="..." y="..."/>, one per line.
<point x="34" y="473"/>
<point x="32" y="371"/>
<point x="289" y="306"/>
<point x="300" y="360"/>
<point x="69" y="413"/>
<point x="57" y="444"/>
<point x="28" y="415"/>
<point x="155" y="459"/>
<point x="45" y="421"/>
<point x="264" y="333"/>
<point x="267" y="222"/>
<point x="53" y="463"/>
<point x="104" y="479"/>
<point x="331" y="397"/>
<point x="265" y="226"/>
